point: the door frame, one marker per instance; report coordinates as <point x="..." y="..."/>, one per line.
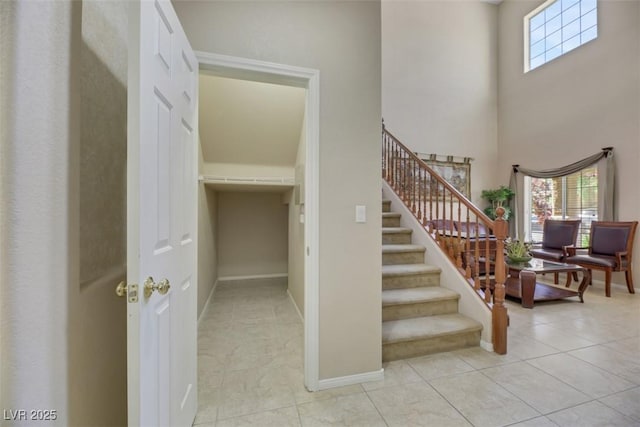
<point x="268" y="72"/>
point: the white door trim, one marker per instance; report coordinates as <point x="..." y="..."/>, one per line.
<point x="250" y="69"/>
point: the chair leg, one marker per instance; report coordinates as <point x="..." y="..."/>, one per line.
<point x="555" y="278"/>
<point x="607" y="282"/>
<point x="629" y="278"/>
<point x="575" y="276"/>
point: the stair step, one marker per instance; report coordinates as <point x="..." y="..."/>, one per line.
<point x="413" y="295"/>
<point x="396" y="235"/>
<point x="415" y="302"/>
<point x="419" y="317"/>
<point x="409" y="276"/>
<point x="427" y="335"/>
<point x="402" y="254"/>
<point x="391" y="219"/>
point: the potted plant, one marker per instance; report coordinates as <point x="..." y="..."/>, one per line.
<point x="498" y="197"/>
<point x="517" y="251"/>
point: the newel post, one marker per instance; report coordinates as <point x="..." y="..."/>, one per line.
<point x="499" y="311"/>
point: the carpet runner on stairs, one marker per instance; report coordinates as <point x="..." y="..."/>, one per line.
<point x="419" y="317"/>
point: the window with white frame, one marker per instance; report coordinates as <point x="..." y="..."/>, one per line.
<point x="557" y="27"/>
<point x="573" y="196"/>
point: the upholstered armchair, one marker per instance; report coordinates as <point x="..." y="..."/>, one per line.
<point x="556" y="235"/>
<point x="611" y="249"/>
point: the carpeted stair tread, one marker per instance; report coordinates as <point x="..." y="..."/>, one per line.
<point x="408" y="269"/>
<point x="393" y="230"/>
<point x="394" y="331"/>
<point x="419" y="317"/>
<point x="417" y="295"/>
<point x="387" y="249"/>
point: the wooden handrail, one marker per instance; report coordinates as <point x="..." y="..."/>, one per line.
<point x="471" y="240"/>
<point x="441" y="180"/>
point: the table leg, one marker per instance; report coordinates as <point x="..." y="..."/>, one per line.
<point x="586" y="280"/>
<point x="527" y="287"/>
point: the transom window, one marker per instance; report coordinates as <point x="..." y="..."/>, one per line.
<point x="573" y="196"/>
<point x="557" y="27"/>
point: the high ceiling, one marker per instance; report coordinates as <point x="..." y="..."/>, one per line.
<point x="247" y="122"/>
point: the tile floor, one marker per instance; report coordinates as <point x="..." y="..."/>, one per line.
<point x="569" y="364"/>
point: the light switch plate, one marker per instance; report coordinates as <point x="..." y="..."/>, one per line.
<point x="361" y="214"/>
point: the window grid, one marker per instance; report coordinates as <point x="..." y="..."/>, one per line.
<point x="560" y="27"/>
<point x="570" y="197"/>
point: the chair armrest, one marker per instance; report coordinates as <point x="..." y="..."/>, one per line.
<point x="620" y="255"/>
<point x="569" y="250"/>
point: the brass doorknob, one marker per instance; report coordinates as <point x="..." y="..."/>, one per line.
<point x="121" y="289"/>
<point x="162" y="287"/>
<point x="130" y="291"/>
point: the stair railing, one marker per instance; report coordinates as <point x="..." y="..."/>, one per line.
<point x="472" y="241"/>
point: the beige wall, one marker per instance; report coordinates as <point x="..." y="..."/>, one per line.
<point x="249" y="122"/>
<point x="98" y="344"/>
<point x="439" y="81"/>
<point x="207" y="238"/>
<point x="252" y="234"/>
<point x="207" y="248"/>
<point x="103" y="151"/>
<point x="243" y="171"/>
<point x="296" y="231"/>
<point x="573" y="106"/>
<point x="39" y="151"/>
<point x="342" y="41"/>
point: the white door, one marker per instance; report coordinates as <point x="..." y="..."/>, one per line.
<point x="161" y="218"/>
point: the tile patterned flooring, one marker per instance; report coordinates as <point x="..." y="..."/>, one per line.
<point x="568" y="364"/>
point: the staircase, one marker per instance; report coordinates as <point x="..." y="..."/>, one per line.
<point x="419" y="316"/>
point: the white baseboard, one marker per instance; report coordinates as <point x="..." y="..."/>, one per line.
<point x="486" y="346"/>
<point x="295" y="305"/>
<point x="207" y="303"/>
<point x="255" y="276"/>
<point x="351" y="379"/>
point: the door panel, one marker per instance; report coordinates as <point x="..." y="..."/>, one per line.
<point x="186" y="148"/>
<point x="162" y="218"/>
<point x="160" y="174"/>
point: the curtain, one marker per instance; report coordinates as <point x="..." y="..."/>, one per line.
<point x="606" y="183"/>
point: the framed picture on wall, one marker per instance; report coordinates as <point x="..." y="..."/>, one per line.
<point x="458" y="174"/>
